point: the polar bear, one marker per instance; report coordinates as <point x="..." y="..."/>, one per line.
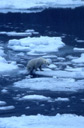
<point x="36" y="63"/>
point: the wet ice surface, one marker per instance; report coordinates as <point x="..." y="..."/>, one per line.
<point x="57" y="89"/>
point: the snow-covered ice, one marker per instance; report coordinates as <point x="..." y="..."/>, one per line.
<point x="4" y="91"/>
<point x="62" y="99"/>
<point x="52" y="84"/>
<point x="28" y="32"/>
<point x="79" y="69"/>
<point x="52" y="66"/>
<point x="40" y="121"/>
<point x="78" y="49"/>
<point x="7" y="108"/>
<point x="23" y="5"/>
<point x="41" y="44"/>
<point x="67" y="73"/>
<point x="35" y="97"/>
<point x="79" y="59"/>
<point x="5" y="67"/>
<point x="2" y="103"/>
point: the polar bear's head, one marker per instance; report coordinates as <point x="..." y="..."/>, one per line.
<point x="47" y="62"/>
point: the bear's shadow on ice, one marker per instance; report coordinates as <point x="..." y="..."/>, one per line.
<point x="35" y="75"/>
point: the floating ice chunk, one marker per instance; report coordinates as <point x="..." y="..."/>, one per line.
<point x="28" y="32"/>
<point x="50" y="56"/>
<point x="32" y="31"/>
<point x="52" y="66"/>
<point x="79" y="41"/>
<point x="14" y="42"/>
<point x="68" y="68"/>
<point x="38" y="44"/>
<point x="2" y="60"/>
<point x="61" y="99"/>
<point x="27" y="107"/>
<point x="61" y="58"/>
<point x="4" y="66"/>
<point x="71" y="57"/>
<point x="82" y="100"/>
<point x="16" y="33"/>
<point x="35" y="97"/>
<point x="20" y="48"/>
<point x="62" y="74"/>
<point x="2" y="103"/>
<point x="4" y="91"/>
<point x="78" y="49"/>
<point x="53" y="84"/>
<point x="7" y="108"/>
<point x="79" y="60"/>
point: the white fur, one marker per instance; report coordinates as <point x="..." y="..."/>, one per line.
<point x="36" y="63"/>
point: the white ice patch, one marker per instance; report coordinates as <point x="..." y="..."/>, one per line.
<point x="2" y="103"/>
<point x="78" y="49"/>
<point x="15" y="34"/>
<point x="52" y="66"/>
<point x="7" y="108"/>
<point x="52" y="84"/>
<point x="79" y="41"/>
<point x="4" y="66"/>
<point x="37" y="44"/>
<point x="28" y="32"/>
<point x="25" y="5"/>
<point x="2" y="60"/>
<point x="7" y="67"/>
<point x="35" y="97"/>
<point x="79" y="59"/>
<point x="4" y="91"/>
<point x="77" y="73"/>
<point x="40" y="121"/>
<point x="62" y="99"/>
<point x="80" y="70"/>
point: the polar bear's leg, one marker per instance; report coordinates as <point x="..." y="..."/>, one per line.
<point x="40" y="68"/>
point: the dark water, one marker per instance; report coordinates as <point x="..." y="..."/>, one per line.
<point x="67" y="23"/>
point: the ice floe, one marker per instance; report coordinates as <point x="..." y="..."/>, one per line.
<point x="79" y="59"/>
<point x="28" y="32"/>
<point x="40" y="121"/>
<point x="36" y="5"/>
<point x="2" y="103"/>
<point x="35" y="97"/>
<point x="62" y="99"/>
<point x="52" y="84"/>
<point x="4" y="91"/>
<point x="73" y="73"/>
<point x="79" y="69"/>
<point x="7" y="108"/>
<point x="52" y="66"/>
<point x="5" y="66"/>
<point x="41" y="44"/>
<point x="78" y="49"/>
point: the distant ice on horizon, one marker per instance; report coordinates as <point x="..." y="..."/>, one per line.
<point x="23" y="5"/>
